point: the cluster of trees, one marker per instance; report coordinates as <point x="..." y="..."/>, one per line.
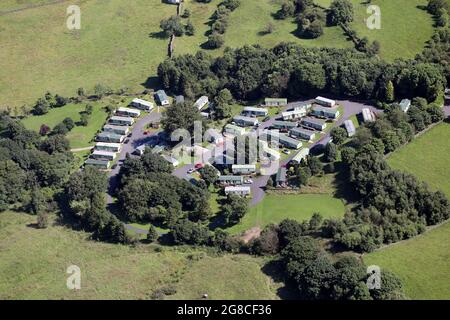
<point x="290" y="70"/>
<point x="148" y="192"/>
<point x="181" y="116"/>
<point x="173" y="26"/>
<point x="299" y="174"/>
<point x="394" y="205"/>
<point x="32" y="169"/>
<point x="316" y="274"/>
<point x="439" y="9"/>
<point x="85" y="194"/>
<point x="219" y="22"/>
<point x="437" y="50"/>
<point x="49" y="101"/>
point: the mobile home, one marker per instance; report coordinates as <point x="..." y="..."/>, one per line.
<point x="242" y="191"/>
<point x="284" y="125"/>
<point x="302" y="134"/>
<point x="121" y="121"/>
<point x="405" y="104"/>
<point x="106" y="146"/>
<point x="368" y="115"/>
<point x="109" y="137"/>
<point x="142" y="104"/>
<point x="350" y="127"/>
<point x="162" y="98"/>
<point x="101" y="164"/>
<point x="314" y="123"/>
<point x="275" y="102"/>
<point x="281" y="177"/>
<point x="245" y="121"/>
<point x="234" y="130"/>
<point x="289" y="142"/>
<point x="127" y="112"/>
<point x="116" y="129"/>
<point x="302" y="154"/>
<point x="230" y="180"/>
<point x="253" y="111"/>
<point x="296" y="113"/>
<point x="330" y="113"/>
<point x="243" y="168"/>
<point x="103" y="155"/>
<point x="201" y="102"/>
<point x="325" y="102"/>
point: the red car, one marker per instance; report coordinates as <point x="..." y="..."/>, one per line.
<point x="199" y="166"/>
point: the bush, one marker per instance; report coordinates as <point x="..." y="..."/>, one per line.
<point x="42" y="220"/>
<point x="215" y="41"/>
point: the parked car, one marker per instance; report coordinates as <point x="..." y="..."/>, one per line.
<point x="286" y="151"/>
<point x="191" y="170"/>
<point x="199" y="166"/>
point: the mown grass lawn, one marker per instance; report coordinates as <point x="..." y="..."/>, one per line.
<point x="119" y="45"/>
<point x="33" y="265"/>
<point x="427" y="158"/>
<point x="79" y="136"/>
<point x="423" y="263"/>
<point x="275" y="208"/>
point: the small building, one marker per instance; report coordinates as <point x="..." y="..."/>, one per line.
<point x="284" y="125"/>
<point x="179" y="99"/>
<point x="122" y="130"/>
<point x="106" y="146"/>
<point x="257" y="112"/>
<point x="405" y="104"/>
<point x="281" y="177"/>
<point x="270" y="153"/>
<point x="121" y="121"/>
<point x="140" y="150"/>
<point x="245" y="121"/>
<point x="142" y="104"/>
<point x="230" y="180"/>
<point x="127" y="112"/>
<point x="174" y="162"/>
<point x="314" y="123"/>
<point x="330" y="113"/>
<point x="275" y="102"/>
<point x="350" y="127"/>
<point x="103" y="155"/>
<point x="109" y="137"/>
<point x="101" y="164"/>
<point x="234" y="130"/>
<point x="302" y="134"/>
<point x="296" y="113"/>
<point x="289" y="142"/>
<point x="162" y="98"/>
<point x="242" y="191"/>
<point x="325" y="102"/>
<point x="301" y="155"/>
<point x="368" y="115"/>
<point x="243" y="168"/>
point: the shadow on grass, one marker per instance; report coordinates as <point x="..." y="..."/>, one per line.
<point x="275" y="270"/>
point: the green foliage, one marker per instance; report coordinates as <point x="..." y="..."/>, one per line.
<point x="234" y="208"/>
<point x="340" y="12"/>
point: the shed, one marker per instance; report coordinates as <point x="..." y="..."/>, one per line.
<point x="162" y="98"/>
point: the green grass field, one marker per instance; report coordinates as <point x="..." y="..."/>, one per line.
<point x="79" y="136"/>
<point x="275" y="208"/>
<point x="33" y="265"/>
<point x="427" y="158"/>
<point x="423" y="263"/>
<point x="118" y="45"/>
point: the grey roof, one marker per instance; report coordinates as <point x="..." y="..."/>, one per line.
<point x="161" y="94"/>
<point x="110" y="135"/>
<point x="179" y="99"/>
<point x="284" y="124"/>
<point x="314" y="120"/>
<point x="325" y="109"/>
<point x="281" y="175"/>
<point x="303" y="131"/>
<point x="231" y="178"/>
<point x="349" y="126"/>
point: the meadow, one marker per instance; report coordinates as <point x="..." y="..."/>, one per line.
<point x="275" y="207"/>
<point x="33" y="265"/>
<point x="427" y="158"/>
<point x="423" y="263"/>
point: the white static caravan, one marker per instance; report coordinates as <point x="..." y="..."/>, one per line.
<point x="350" y="127"/>
<point x="107" y="146"/>
<point x="116" y="129"/>
<point x="174" y="162"/>
<point x="325" y="102"/>
<point x="142" y="104"/>
<point x="101" y="164"/>
<point x="302" y="154"/>
<point x="234" y="130"/>
<point x="103" y="155"/>
<point x="243" y="168"/>
<point x="296" y="113"/>
<point x="127" y="112"/>
<point x="314" y="123"/>
<point x="109" y="137"/>
<point x="308" y="135"/>
<point x="368" y="115"/>
<point x="242" y="191"/>
<point x="121" y="121"/>
<point x="231" y="180"/>
<point x="245" y="121"/>
<point x="253" y="111"/>
<point x="201" y="102"/>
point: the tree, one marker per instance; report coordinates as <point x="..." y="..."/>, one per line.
<point x="341" y="11"/>
<point x="215" y="40"/>
<point x="42" y="220"/>
<point x="188" y="232"/>
<point x="60" y="129"/>
<point x="222" y="104"/>
<point x="287" y="9"/>
<point x="84" y="119"/>
<point x="209" y="174"/>
<point x="44" y="130"/>
<point x="180" y="116"/>
<point x="172" y="26"/>
<point x="152" y="234"/>
<point x="234" y="209"/>
<point x="189" y="28"/>
<point x="303" y="175"/>
<point x="331" y="152"/>
<point x="307" y="78"/>
<point x="69" y="123"/>
<point x="88" y="110"/>
<point x="339" y="135"/>
<point x="268" y="242"/>
<point x="315" y="166"/>
<point x="299" y="253"/>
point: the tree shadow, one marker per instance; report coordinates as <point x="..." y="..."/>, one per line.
<point x="275" y="270"/>
<point x="158" y="35"/>
<point x="152" y="83"/>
